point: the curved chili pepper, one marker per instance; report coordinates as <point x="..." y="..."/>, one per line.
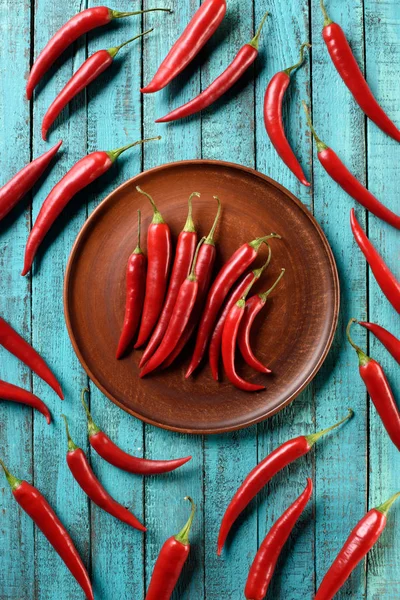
<point x="87" y="72"/>
<point x="273" y="101"/>
<point x="14" y="343"/>
<point x="135" y="287"/>
<point x="184" y="252"/>
<point x="204" y="269"/>
<point x="264" y="472"/>
<point x="363" y="537"/>
<point x="159" y="251"/>
<point x="242" y="61"/>
<point x="13" y="393"/>
<point x="379" y="389"/>
<point x="230" y="272"/>
<point x="391" y="342"/>
<point x="170" y="561"/>
<point x="252" y="308"/>
<point x="348" y="69"/>
<point x="386" y="280"/>
<point x="85" y="171"/>
<point x="179" y="318"/>
<point x="339" y="173"/>
<point x="15" y="189"/>
<point x="83" y="474"/>
<point x="235" y="295"/>
<point x="41" y="513"/>
<point x="264" y="563"/>
<point x="113" y="454"/>
<point x="203" y="24"/>
<point x="78" y="25"/>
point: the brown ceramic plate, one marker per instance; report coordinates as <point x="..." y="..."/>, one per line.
<point x="292" y="334"/>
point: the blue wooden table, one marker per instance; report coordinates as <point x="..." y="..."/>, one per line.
<point x="355" y="468"/>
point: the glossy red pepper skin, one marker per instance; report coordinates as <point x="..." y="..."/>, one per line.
<point x="204" y="23"/>
<point x="15" y="189"/>
<point x="169" y="564"/>
<point x="184" y="253"/>
<point x="386" y="280"/>
<point x="348" y="69"/>
<point x="360" y="541"/>
<point x="242" y="61"/>
<point x="42" y="514"/>
<point x="135" y="289"/>
<point x="13" y="393"/>
<point x="391" y="342"/>
<point x="263" y="566"/>
<point x="78" y="25"/>
<point x="263" y="473"/>
<point x="15" y="344"/>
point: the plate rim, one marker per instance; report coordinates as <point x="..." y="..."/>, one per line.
<point x="308" y="214"/>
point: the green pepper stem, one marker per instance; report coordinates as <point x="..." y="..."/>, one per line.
<point x="115" y="14"/>
<point x="301" y="59"/>
<point x="189" y="225"/>
<point x="114" y="51"/>
<point x="385" y="507"/>
<point x="192" y="274"/>
<point x="362" y="357"/>
<point x="13" y="481"/>
<point x="264" y="295"/>
<point x="256" y="39"/>
<point x="311" y="439"/>
<point x="92" y="427"/>
<point x="157" y="217"/>
<point x="327" y="20"/>
<point x="242" y="301"/>
<point x="183" y="535"/>
<point x="113" y="154"/>
<point x="320" y="144"/>
<point x="255" y="244"/>
<point x="210" y="238"/>
<point x="71" y="445"/>
<point x="258" y="272"/>
<point x="138" y="249"/>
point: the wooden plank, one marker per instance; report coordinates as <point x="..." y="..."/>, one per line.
<point x="166" y="512"/>
<point x="341" y="473"/>
<point x="50" y="337"/>
<point x="382" y="35"/>
<point x="114" y="119"/>
<point x="17" y="532"/>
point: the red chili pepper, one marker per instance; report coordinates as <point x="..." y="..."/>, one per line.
<point x="379" y="390"/>
<point x="386" y="280"/>
<point x="204" y="269"/>
<point x="339" y="173"/>
<point x="348" y="69"/>
<point x="85" y="171"/>
<point x="242" y="61"/>
<point x="78" y="25"/>
<point x="170" y="561"/>
<point x="15" y="189"/>
<point x="252" y="308"/>
<point x="113" y="454"/>
<point x="273" y="101"/>
<point x="179" y="318"/>
<point x="184" y="252"/>
<point x="15" y="344"/>
<point x="264" y="563"/>
<point x="41" y="513"/>
<point x="135" y="287"/>
<point x="83" y="474"/>
<point x="13" y="393"/>
<point x="159" y="251"/>
<point x="87" y="72"/>
<point x="363" y="537"/>
<point x="391" y="342"/>
<point x="230" y="272"/>
<point x="204" y="23"/>
<point x="235" y="295"/>
<point x="264" y="472"/>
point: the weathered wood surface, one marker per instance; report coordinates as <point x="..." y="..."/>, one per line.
<point x="353" y="469"/>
